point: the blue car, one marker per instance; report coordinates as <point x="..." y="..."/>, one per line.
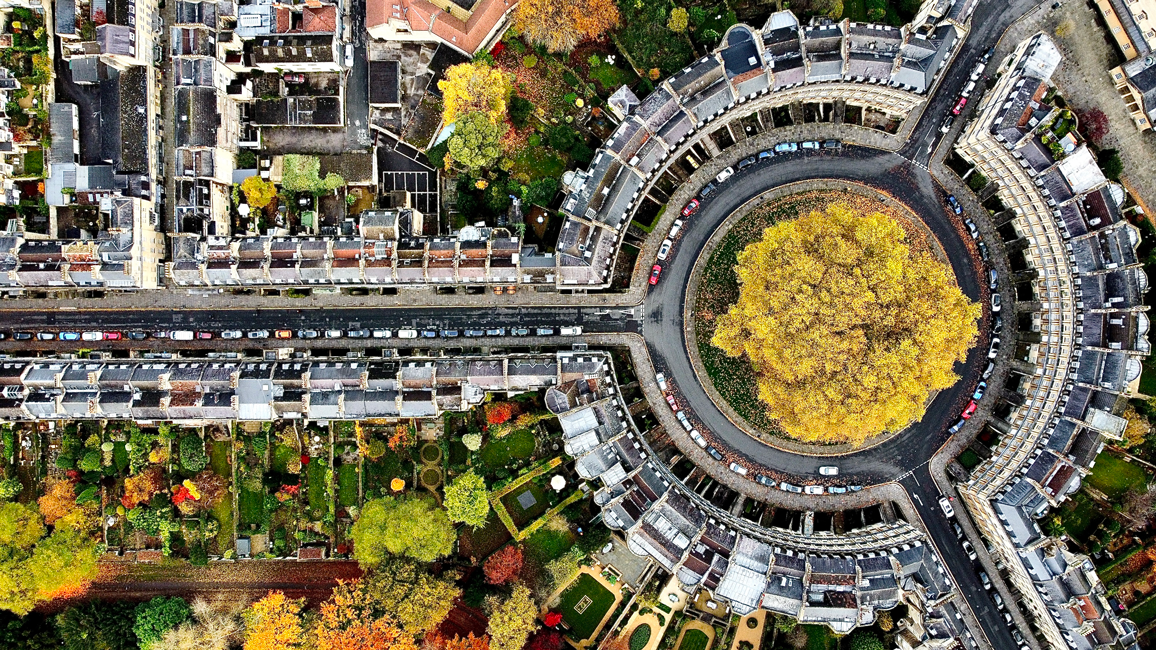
<point x="955" y="204"/>
<point x="70" y="336"/>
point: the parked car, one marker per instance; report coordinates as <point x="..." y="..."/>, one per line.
<point x="307" y="334"/>
<point x="746" y="162"/>
<point x="382" y="334"/>
<point x="690" y="208"/>
<point x="46" y="336"/>
<point x="706" y="191"/>
<point x="449" y="334"/>
<point x="855" y="488"/>
<point x="977" y="71"/>
<point x="161" y="335"/>
<point x="259" y="334"/>
<point x="21" y="336"/>
<point x="714" y="453"/>
<point x="829" y="470"/>
<point x="182" y="335"/>
<point x="945" y="503"/>
<point x="763" y="155"/>
<point x="738" y="469"/>
<point x="544" y="331"/>
<point x="968" y="88"/>
<point x="761" y="479"/>
<point x="969" y="410"/>
<point x="814" y="489"/>
<point x="955" y="206"/>
<point x="358" y="334"/>
<point x="971" y="229"/>
<point x="959" y="106"/>
<point x="957" y="426"/>
<point x="334" y="334"/>
<point x="283" y="334"/>
<point x="349" y="55"/>
<point x="520" y="331"/>
<point x="92" y="336"/>
<point x="664" y="250"/>
<point x="576" y="330"/>
<point x="958" y="530"/>
<point x="967" y="548"/>
<point x="980" y="389"/>
<point x="470" y="333"/>
<point x="429" y="334"/>
<point x="660" y="379"/>
<point x="138" y="336"/>
<point x="293" y="78"/>
<point x="725" y="174"/>
<point x="993" y="350"/>
<point x="407" y="334"/>
<point x="204" y="336"/>
<point x="950" y="120"/>
<point x="982" y="251"/>
<point x="996" y="301"/>
<point x="837" y="489"/>
<point x="70" y="336"/>
<point x="989" y="369"/>
<point x="784" y="147"/>
<point x="811" y="144"/>
<point x="672" y="402"/>
<point x="655" y="273"/>
<point x="993" y="279"/>
<point x="697" y="438"/>
<point x="997" y="599"/>
<point x="675" y="228"/>
<point x="495" y="331"/>
<point x="232" y="334"/>
<point x="787" y="487"/>
<point x="833" y="144"/>
<point x="997" y="324"/>
<point x="985" y="580"/>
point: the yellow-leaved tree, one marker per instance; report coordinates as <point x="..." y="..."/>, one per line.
<point x="475" y="88"/>
<point x="847" y="328"/>
<point x="560" y="25"/>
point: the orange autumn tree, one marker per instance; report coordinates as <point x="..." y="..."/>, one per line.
<point x="499" y="412"/>
<point x="58" y="501"/>
<point x="273" y="623"/>
<point x="142" y="487"/>
<point x="561" y="24"/>
<point x="349" y="621"/>
<point x="470" y="642"/>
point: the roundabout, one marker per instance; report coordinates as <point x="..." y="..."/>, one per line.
<point x="670" y="337"/>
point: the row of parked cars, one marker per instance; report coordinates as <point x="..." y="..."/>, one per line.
<point x="684" y="421"/>
<point x="190" y="335"/>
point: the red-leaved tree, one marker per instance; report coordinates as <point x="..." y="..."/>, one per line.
<point x="1094" y="124"/>
<point x="546" y="639"/>
<point x="504" y="565"/>
<point x="499" y="412"/>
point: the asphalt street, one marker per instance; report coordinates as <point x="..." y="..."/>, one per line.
<point x="664" y="323"/>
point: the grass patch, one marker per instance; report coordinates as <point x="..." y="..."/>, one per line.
<point x="282" y="454"/>
<point x="498" y="453"/>
<point x="480" y="542"/>
<point x="251" y="506"/>
<point x="390" y="466"/>
<point x="1143" y="613"/>
<point x="609" y="77"/>
<point x="694" y="640"/>
<point x="34" y="162"/>
<point x="347" y="485"/>
<point x="458" y="453"/>
<point x="538" y="162"/>
<point x="1113" y="569"/>
<point x="523" y="516"/>
<point x="223" y="513"/>
<point x="1079" y="516"/>
<point x="1114" y="476"/>
<point x="1148" y="377"/>
<point x="583" y="624"/>
<point x="640" y="637"/>
<point x="315" y="489"/>
<point x="219" y="458"/>
<point x="546" y="544"/>
<point x="968" y="459"/>
<point x="819" y="637"/>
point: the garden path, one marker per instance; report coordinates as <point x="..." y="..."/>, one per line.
<point x="752" y="635"/>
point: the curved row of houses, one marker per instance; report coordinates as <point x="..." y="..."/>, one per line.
<point x="1079" y="279"/>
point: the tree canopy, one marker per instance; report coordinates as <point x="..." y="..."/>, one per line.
<point x="503" y="566"/>
<point x="513" y="620"/>
<point x="348" y="621"/>
<point x="475" y="143"/>
<point x="475" y="88"/>
<point x="258" y="191"/>
<point x="156" y="617"/>
<point x="413" y="526"/>
<point x="418" y="600"/>
<point x="847" y="328"/>
<point x="302" y="174"/>
<point x="273" y="623"/>
<point x="560" y="25"/>
<point x="34" y="567"/>
<point x="467" y="500"/>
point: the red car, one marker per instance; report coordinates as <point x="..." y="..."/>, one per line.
<point x="283" y="334"/>
<point x="112" y="336"/>
<point x="970" y="410"/>
<point x="673" y="404"/>
<point x="959" y="106"/>
<point x="204" y="336"/>
<point x="690" y="208"/>
<point x="654" y="274"/>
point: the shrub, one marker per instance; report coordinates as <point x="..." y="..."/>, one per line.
<point x="193" y="457"/>
<point x="472" y="441"/>
<point x="1111" y="164"/>
<point x="158" y="616"/>
<point x="529" y="60"/>
<point x="520" y="111"/>
<point x="10" y="488"/>
<point x="640" y="637"/>
<point x="90" y="462"/>
<point x="375" y="450"/>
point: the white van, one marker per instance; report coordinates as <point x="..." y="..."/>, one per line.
<point x="182" y="335"/>
<point x="407" y="334"/>
<point x="572" y="331"/>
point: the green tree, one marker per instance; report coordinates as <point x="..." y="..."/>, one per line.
<point x="678" y="20"/>
<point x="467" y="500"/>
<point x="98" y="625"/>
<point x="513" y="620"/>
<point x="193" y="457"/>
<point x="34" y="567"/>
<point x="476" y="142"/>
<point x="302" y="174"/>
<point x="412" y="526"/>
<point x="158" y="616"/>
<point x="520" y="111"/>
<point x="31" y="632"/>
<point x="848" y="329"/>
<point x="418" y="600"/>
<point x="258" y="191"/>
<point x="541" y="192"/>
<point x="10" y="488"/>
<point x="1111" y="164"/>
<point x="866" y="640"/>
<point x="21" y="526"/>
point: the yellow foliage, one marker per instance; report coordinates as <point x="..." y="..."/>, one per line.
<point x="561" y="24"/>
<point x="273" y="623"/>
<point x="848" y="330"/>
<point x="1137" y="429"/>
<point x="475" y="87"/>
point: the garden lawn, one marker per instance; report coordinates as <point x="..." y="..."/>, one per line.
<point x="694" y="640"/>
<point x="480" y="542"/>
<point x="1148" y="377"/>
<point x="538" y="162"/>
<point x="282" y="454"/>
<point x="522" y="517"/>
<point x="223" y="513"/>
<point x="1113" y="475"/>
<point x="1143" y="613"/>
<point x="583" y="625"/>
<point x="34" y="162"/>
<point x="546" y="544"/>
<point x="518" y="444"/>
<point x="1078" y="516"/>
<point x="458" y="453"/>
<point x="315" y="489"/>
<point x="381" y="471"/>
<point x="819" y="637"/>
<point x="219" y="458"/>
<point x="347" y="485"/>
<point x="251" y="506"/>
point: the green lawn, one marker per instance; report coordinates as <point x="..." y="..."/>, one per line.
<point x="546" y="544"/>
<point x="315" y="489"/>
<point x="481" y="542"/>
<point x="458" y="453"/>
<point x="34" y="162"/>
<point x="251" y="506"/>
<point x="1143" y="613"/>
<point x="347" y="485"/>
<point x="1078" y="516"/>
<point x="968" y="459"/>
<point x="219" y="458"/>
<point x="694" y="640"/>
<point x="498" y="453"/>
<point x="609" y="77"/>
<point x="381" y="471"/>
<point x="282" y="454"/>
<point x="583" y="625"/>
<point x="820" y="637"/>
<point x="1148" y="377"/>
<point x="1114" y="476"/>
<point x="223" y="513"/>
<point x="522" y="516"/>
<point x="538" y="162"/>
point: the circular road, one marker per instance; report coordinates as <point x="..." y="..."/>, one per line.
<point x="664" y="327"/>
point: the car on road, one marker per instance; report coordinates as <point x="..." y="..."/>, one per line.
<point x="544" y="331"/>
<point x="113" y="336"/>
<point x="958" y="530"/>
<point x="837" y="489"/>
<point x="785" y="147"/>
<point x="747" y="162"/>
<point x="738" y="469"/>
<point x="664" y="250"/>
<point x="985" y="580"/>
<point x="763" y="155"/>
<point x="969" y="410"/>
<point x="989" y="369"/>
<point x="971" y="229"/>
<point x="407" y="334"/>
<point x="232" y="334"/>
<point x="161" y="335"/>
<point x="520" y="331"/>
<point x="575" y="330"/>
<point x="204" y="336"/>
<point x="957" y="426"/>
<point x="725" y="174"/>
<point x="349" y="55"/>
<point x="92" y="336"/>
<point x="429" y="334"/>
<point x="977" y="70"/>
<point x="495" y="331"/>
<point x="787" y="487"/>
<point x="945" y="503"/>
<point x="980" y="389"/>
<point x="673" y="403"/>
<point x="1019" y="638"/>
<point x="967" y="548"/>
<point x="762" y="479"/>
<point x="690" y="208"/>
<point x="955" y="206"/>
<point x="993" y="349"/>
<point x="814" y="489"/>
<point x="855" y="488"/>
<point x="283" y="334"/>
<point x="968" y="88"/>
<point x="829" y="470"/>
<point x="997" y="324"/>
<point x="308" y="334"/>
<point x="70" y="336"/>
<point x="259" y="334"/>
<point x="449" y="334"/>
<point x="138" y="336"/>
<point x="714" y="453"/>
<point x="655" y="273"/>
<point x="675" y="228"/>
<point x="21" y="336"/>
<point x="959" y="106"/>
<point x="947" y="122"/>
<point x="706" y="191"/>
<point x="334" y="334"/>
<point x="358" y="334"/>
<point x="697" y="438"/>
<point x="833" y="144"/>
<point x="993" y="279"/>
<point x="46" y="336"/>
<point x="475" y="333"/>
<point x="811" y="144"/>
<point x="997" y="599"/>
<point x="996" y="302"/>
<point x="660" y="379"/>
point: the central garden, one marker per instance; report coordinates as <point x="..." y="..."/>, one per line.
<point x="828" y="317"/>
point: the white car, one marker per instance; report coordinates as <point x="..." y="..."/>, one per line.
<point x="407" y="334"/>
<point x="697" y="438"/>
<point x="675" y="229"/>
<point x="660" y="379"/>
<point x="92" y="336"/>
<point x="993" y="350"/>
<point x="814" y="489"/>
<point x="738" y="469"/>
<point x="182" y="335"/>
<point x="996" y="302"/>
<point x="232" y="334"/>
<point x="259" y="334"/>
<point x="725" y="174"/>
<point x="829" y="470"/>
<point x="334" y="334"/>
<point x="946" y="505"/>
<point x="382" y="334"/>
<point x="572" y="331"/>
<point x="664" y="249"/>
<point x="349" y="55"/>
